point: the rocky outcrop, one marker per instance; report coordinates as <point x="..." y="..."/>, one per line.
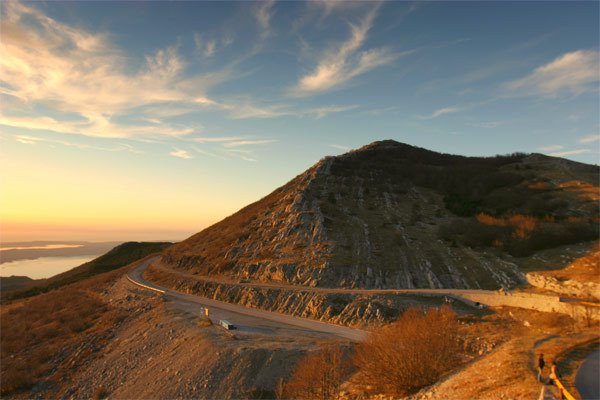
<point x="343" y="309"/>
<point x="572" y="288"/>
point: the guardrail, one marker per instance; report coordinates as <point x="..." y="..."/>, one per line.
<point x="145" y="286"/>
<point x="563" y="390"/>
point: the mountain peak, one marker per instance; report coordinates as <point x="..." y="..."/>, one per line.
<point x="398" y="216"/>
<point x="387" y="144"/>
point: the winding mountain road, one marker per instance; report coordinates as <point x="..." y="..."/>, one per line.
<point x="256" y="320"/>
<point x="471" y="297"/>
<point x="245" y="319"/>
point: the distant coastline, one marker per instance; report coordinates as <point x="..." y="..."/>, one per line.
<point x="43" y="267"/>
<point x="43" y="259"/>
<point x="15" y="251"/>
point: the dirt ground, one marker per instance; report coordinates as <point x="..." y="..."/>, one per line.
<point x="161" y="351"/>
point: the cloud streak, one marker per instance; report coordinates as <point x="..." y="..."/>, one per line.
<point x="73" y="71"/>
<point x="552" y="147"/>
<point x="337" y="67"/>
<point x="570" y="152"/>
<point x="239" y="143"/>
<point x="572" y="73"/>
<point x="206" y="48"/>
<point x="590" y="138"/>
<point x="180" y="154"/>
<point x="263" y="14"/>
<point x="34" y="140"/>
<point x="441" y="111"/>
<point x="240" y="147"/>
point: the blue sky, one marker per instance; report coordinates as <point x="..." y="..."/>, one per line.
<point x="197" y="108"/>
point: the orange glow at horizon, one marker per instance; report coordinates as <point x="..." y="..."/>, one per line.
<point x="46" y="202"/>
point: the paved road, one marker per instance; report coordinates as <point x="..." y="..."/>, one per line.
<point x="263" y="285"/>
<point x="249" y="320"/>
<point x="587" y="378"/>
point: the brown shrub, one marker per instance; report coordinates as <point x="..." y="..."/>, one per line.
<point x="413" y="352"/>
<point x="318" y="375"/>
<point x="523" y="224"/>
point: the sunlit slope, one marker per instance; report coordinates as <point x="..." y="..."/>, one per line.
<point x="394" y="215"/>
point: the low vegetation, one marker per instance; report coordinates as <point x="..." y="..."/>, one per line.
<point x="518" y="234"/>
<point x="318" y="376"/>
<point x="43" y="332"/>
<point x="413" y="352"/>
<point x="36" y="332"/>
<point x="397" y="360"/>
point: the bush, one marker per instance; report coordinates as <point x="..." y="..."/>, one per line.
<point x="413" y="352"/>
<point x="318" y="375"/>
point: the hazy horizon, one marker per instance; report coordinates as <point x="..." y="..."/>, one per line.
<point x="90" y="235"/>
<point x="153" y="120"/>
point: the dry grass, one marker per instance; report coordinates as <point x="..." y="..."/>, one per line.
<point x="411" y="353"/>
<point x="585" y="190"/>
<point x="523" y="225"/>
<point x="41" y="332"/>
<point x="37" y="331"/>
<point x="318" y="376"/>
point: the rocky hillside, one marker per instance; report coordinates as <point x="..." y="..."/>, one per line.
<point x="393" y="215"/>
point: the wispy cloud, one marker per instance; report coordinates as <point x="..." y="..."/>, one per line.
<point x="202" y="151"/>
<point x="572" y="73"/>
<point x="241" y="147"/>
<point x="488" y="124"/>
<point x="570" y="152"/>
<point x="263" y="13"/>
<point x="33" y="140"/>
<point x="71" y="70"/>
<point x="245" y="155"/>
<point x="590" y="138"/>
<point x="442" y="111"/>
<point x="328" y="6"/>
<point x="204" y="47"/>
<point x="248" y="110"/>
<point x="322" y="112"/>
<point x="239" y="143"/>
<point x="98" y="126"/>
<point x="552" y="148"/>
<point x="180" y="154"/>
<point x="222" y="139"/>
<point x="339" y="66"/>
<point x="233" y="141"/>
<point x="340" y="147"/>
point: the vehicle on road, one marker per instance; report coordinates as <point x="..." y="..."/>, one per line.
<point x="226" y="324"/>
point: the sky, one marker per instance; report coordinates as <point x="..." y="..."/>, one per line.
<point x="153" y="120"/>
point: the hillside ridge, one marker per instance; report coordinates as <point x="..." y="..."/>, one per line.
<point x="392" y="215"/>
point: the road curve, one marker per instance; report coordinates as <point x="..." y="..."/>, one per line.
<point x="471" y="297"/>
<point x="251" y="319"/>
<point x="586" y="380"/>
<point x="329" y="290"/>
